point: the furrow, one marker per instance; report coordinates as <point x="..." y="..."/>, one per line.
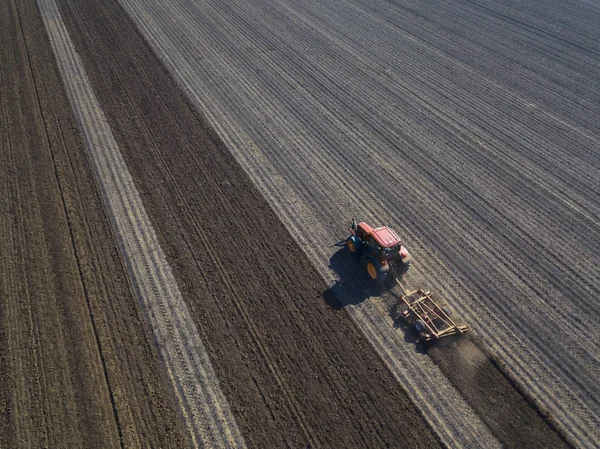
<point x="464" y="430"/>
<point x="202" y="403"/>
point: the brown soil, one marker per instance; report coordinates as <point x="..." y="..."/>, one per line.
<point x="296" y="372"/>
<point x="510" y="415"/>
<point x="77" y="367"/>
<point x="77" y="364"/>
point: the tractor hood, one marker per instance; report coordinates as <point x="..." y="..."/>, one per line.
<point x="385" y="237"/>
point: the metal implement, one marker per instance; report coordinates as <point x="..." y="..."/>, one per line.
<point x="429" y="319"/>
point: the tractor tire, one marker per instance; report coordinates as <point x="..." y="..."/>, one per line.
<point x="379" y="273"/>
<point x="354" y="245"/>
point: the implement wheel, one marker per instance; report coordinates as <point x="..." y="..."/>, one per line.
<point x="420" y="326"/>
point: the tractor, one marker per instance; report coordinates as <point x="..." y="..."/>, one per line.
<point x="380" y="250"/>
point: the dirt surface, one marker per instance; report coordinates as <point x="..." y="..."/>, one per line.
<point x="470" y="126"/>
<point x="83" y="370"/>
<point x="271" y="313"/>
<point x="296" y="373"/>
<point x="77" y="366"/>
<point x="509" y="414"/>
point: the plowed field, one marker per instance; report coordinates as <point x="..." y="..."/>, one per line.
<point x="177" y="175"/>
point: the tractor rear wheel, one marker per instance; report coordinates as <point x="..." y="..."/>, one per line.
<point x="354" y="245"/>
<point x="376" y="270"/>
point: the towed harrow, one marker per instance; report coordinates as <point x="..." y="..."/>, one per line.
<point x="430" y="320"/>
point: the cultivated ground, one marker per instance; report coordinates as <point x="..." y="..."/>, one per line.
<point x="253" y="134"/>
<point x="78" y="367"/>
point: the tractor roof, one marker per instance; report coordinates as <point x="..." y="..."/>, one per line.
<point x="385" y="236"/>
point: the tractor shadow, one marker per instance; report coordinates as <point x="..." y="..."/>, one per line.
<point x="354" y="286"/>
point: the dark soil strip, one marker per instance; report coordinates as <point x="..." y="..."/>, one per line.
<point x="296" y="372"/>
<point x="53" y="366"/>
<point x="64" y="379"/>
<point x="511" y="416"/>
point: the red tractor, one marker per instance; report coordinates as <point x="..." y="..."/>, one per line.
<point x="380" y="250"/>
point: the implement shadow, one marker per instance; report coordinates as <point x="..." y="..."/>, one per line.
<point x="410" y="335"/>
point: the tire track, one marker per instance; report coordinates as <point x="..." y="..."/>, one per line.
<point x="202" y="403"/>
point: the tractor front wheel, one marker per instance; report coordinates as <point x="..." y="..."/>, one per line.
<point x="403" y="268"/>
<point x="354" y="245"/>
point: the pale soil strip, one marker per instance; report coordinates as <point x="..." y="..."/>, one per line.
<point x="207" y="413"/>
<point x="586" y="369"/>
<point x="442" y="406"/>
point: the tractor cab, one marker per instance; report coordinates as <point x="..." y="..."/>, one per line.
<point x="382" y="241"/>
